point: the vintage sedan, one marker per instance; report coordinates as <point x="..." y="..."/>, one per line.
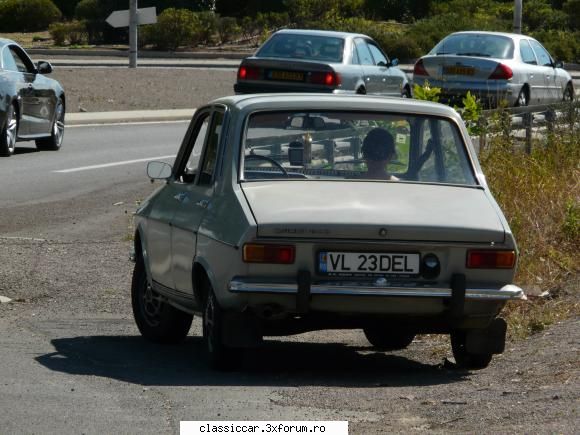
<point x="286" y="213"/>
<point x="32" y="106"/>
<point x="321" y="61"/>
<point x="494" y="66"/>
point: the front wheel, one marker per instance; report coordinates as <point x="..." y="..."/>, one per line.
<point x="157" y="321"/>
<point x="523" y="98"/>
<point x="569" y="93"/>
<point x="54" y="141"/>
<point x="386" y="340"/>
<point x="8" y="133"/>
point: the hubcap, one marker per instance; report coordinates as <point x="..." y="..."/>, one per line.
<point x="209" y="323"/>
<point x="151" y="304"/>
<point x="11" y="125"/>
<point x="58" y="127"/>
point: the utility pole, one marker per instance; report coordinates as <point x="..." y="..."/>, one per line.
<point x="133" y="25"/>
<point x="517" y="16"/>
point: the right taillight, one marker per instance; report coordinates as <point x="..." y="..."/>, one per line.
<point x="248" y="73"/>
<point x="419" y="69"/>
<point x="268" y="253"/>
<point x="502" y="72"/>
<point x="491" y="259"/>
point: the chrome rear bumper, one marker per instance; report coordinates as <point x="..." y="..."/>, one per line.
<point x="244" y="285"/>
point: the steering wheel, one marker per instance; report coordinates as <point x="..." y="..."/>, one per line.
<point x="268" y="159"/>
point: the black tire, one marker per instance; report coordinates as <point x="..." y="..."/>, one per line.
<point x="523" y="98"/>
<point x="9" y="133"/>
<point x="464" y="359"/>
<point x="361" y="91"/>
<point x="384" y="339"/>
<point x="157" y="321"/>
<point x="54" y="141"/>
<point x="568" y="93"/>
<point x="220" y="356"/>
<point x="406" y="93"/>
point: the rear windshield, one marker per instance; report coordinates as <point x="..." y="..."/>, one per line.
<point x="473" y="44"/>
<point x="354" y="146"/>
<point x="323" y="48"/>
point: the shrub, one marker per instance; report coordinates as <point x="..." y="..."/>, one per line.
<point x="90" y="10"/>
<point x="73" y="32"/>
<point x="174" y="28"/>
<point x="563" y="45"/>
<point x="207" y="26"/>
<point x="67" y="7"/>
<point x="227" y="29"/>
<point x="27" y="15"/>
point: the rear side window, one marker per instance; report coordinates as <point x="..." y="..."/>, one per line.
<point x="310" y="47"/>
<point x="527" y="53"/>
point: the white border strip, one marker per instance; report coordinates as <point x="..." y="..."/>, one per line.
<point x="109" y="165"/>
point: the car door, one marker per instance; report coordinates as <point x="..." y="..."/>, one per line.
<point x="387" y="79"/>
<point x="365" y="58"/>
<point x="194" y="199"/>
<point x="533" y="73"/>
<point x="37" y="98"/>
<point x="16" y="80"/>
<point x="158" y="230"/>
<point x="552" y="91"/>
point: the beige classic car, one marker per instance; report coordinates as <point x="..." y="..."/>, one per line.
<point x="297" y="212"/>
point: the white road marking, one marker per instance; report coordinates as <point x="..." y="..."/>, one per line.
<point x="108" y="124"/>
<point x="108" y="165"/>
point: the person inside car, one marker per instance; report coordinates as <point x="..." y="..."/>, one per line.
<point x="378" y="150"/>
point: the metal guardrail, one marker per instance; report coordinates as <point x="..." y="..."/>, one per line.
<point x="528" y="118"/>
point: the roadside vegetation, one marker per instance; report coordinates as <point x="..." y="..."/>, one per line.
<point x="405" y="28"/>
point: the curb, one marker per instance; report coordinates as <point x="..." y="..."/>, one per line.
<point x="142" y="54"/>
<point x="86" y="118"/>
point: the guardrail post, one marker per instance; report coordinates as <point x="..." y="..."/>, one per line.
<point x="528" y="122"/>
<point x="482" y="121"/>
<point x="550" y="119"/>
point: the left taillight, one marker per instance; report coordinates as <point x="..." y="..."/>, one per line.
<point x="329" y="78"/>
<point x="501" y="72"/>
<point x="491" y="259"/>
<point x="268" y="253"/>
<point x="248" y="73"/>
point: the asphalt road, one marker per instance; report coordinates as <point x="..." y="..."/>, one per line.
<point x="72" y="361"/>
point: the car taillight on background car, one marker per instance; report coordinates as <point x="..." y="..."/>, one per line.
<point x="248" y="73"/>
<point x="330" y="78"/>
<point x="491" y="259"/>
<point x="502" y="72"/>
<point x="419" y="69"/>
<point x="265" y="253"/>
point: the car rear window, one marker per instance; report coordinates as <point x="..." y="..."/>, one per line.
<point x="310" y="47"/>
<point x="475" y="44"/>
<point x="339" y="145"/>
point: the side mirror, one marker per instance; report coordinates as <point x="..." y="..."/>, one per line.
<point x="394" y="62"/>
<point x="381" y="63"/>
<point x="159" y="170"/>
<point x="43" y="67"/>
<point x="558" y="64"/>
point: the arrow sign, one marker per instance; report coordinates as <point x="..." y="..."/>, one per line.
<point x="121" y="18"/>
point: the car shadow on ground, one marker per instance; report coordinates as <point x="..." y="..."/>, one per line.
<point x="131" y="359"/>
<point x="23" y="150"/>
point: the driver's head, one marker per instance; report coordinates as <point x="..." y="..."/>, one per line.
<point x="378" y="145"/>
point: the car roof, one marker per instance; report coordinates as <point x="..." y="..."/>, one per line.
<point x="485" y="32"/>
<point x="311" y="101"/>
<point x="321" y="33"/>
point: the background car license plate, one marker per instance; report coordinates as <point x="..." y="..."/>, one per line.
<point x="368" y="263"/>
<point x="287" y="75"/>
<point x="459" y="70"/>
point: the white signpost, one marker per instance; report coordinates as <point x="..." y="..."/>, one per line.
<point x="132" y="18"/>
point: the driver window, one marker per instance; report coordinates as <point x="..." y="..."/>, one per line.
<point x="544" y="58"/>
<point x="198" y="140"/>
<point x="377" y="55"/>
<point x="20" y="62"/>
<point x="8" y="62"/>
<point x="364" y="54"/>
<point x="210" y="156"/>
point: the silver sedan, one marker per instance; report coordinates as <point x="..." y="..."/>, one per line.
<point x="286" y="213"/>
<point x="321" y="61"/>
<point x="494" y="66"/>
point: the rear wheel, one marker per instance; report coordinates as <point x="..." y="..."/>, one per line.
<point x="54" y="141"/>
<point x="523" y="98"/>
<point x="465" y="359"/>
<point x="8" y="133"/>
<point x="220" y="356"/>
<point x="157" y="321"/>
<point x="406" y="93"/>
<point x="384" y="339"/>
<point x="361" y="91"/>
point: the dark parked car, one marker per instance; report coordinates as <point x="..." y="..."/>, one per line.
<point x="32" y="106"/>
<point x="321" y="61"/>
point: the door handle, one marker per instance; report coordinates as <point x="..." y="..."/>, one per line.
<point x="202" y="203"/>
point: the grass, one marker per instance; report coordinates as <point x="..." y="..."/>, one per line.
<point x="540" y="195"/>
<point x="30" y="40"/>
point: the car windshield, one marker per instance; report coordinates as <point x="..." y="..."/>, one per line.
<point x="474" y="44"/>
<point x="299" y="46"/>
<point x="341" y="145"/>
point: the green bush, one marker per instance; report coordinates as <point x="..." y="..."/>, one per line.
<point x="67" y="7"/>
<point x="27" y="15"/>
<point x="562" y="45"/>
<point x="207" y="27"/>
<point x="228" y="29"/>
<point x="73" y="33"/>
<point x="91" y="10"/>
<point x="174" y="28"/>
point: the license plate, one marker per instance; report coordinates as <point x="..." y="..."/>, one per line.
<point x="292" y="76"/>
<point x="459" y="70"/>
<point x="368" y="263"/>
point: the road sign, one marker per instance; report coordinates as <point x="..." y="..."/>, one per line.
<point x="121" y="18"/>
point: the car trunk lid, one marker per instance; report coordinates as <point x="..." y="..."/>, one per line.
<point x="366" y="209"/>
<point x="460" y="68"/>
